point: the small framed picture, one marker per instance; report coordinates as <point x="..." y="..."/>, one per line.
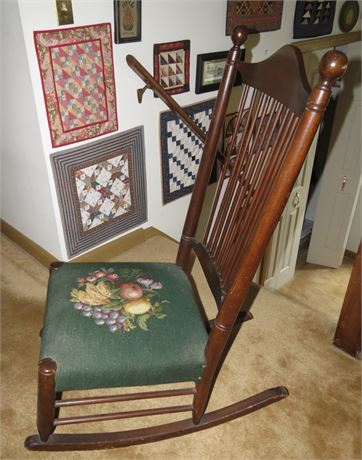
<point x="65" y="12"/>
<point x="210" y="69"/>
<point x="171" y="66"/>
<point x="127" y="21"/>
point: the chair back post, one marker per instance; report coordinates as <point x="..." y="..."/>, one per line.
<point x="332" y="67"/>
<point x="209" y="153"/>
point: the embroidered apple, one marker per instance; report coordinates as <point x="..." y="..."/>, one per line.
<point x="128" y="290"/>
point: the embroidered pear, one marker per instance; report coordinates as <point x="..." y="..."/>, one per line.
<point x="138" y="307"/>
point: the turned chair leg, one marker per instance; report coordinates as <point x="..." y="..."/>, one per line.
<point x="46" y="398"/>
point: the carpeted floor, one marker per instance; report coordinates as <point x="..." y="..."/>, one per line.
<point x="287" y="343"/>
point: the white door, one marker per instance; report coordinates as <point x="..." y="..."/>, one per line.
<point x="281" y="256"/>
<point x="341" y="178"/>
<point x="280" y="259"/>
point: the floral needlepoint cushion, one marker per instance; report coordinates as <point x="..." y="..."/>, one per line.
<point x="113" y="325"/>
<point x="121" y="301"/>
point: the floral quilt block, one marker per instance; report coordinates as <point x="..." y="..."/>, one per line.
<point x="101" y="189"/>
<point x="76" y="68"/>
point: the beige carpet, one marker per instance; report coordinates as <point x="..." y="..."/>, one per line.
<point x="287" y="343"/>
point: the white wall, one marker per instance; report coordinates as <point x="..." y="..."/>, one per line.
<point x="26" y="197"/>
<point x="201" y="21"/>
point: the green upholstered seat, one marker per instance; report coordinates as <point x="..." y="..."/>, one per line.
<point x="122" y="324"/>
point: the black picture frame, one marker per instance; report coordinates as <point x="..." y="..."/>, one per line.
<point x="216" y="62"/>
<point x="127" y="21"/>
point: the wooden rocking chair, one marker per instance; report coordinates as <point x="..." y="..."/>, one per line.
<point x="159" y="335"/>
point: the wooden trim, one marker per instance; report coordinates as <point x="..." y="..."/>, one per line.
<point x="350" y="254"/>
<point x="329" y="41"/>
<point x="109" y="250"/>
<point x="104" y="252"/>
<point x="125" y="397"/>
<point x="122" y="415"/>
<point x="86" y="441"/>
<point x="36" y="251"/>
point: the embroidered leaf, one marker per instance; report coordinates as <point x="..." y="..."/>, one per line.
<point x="160" y="315"/>
<point x="142" y="322"/>
<point x="115" y="294"/>
<point x="128" y="325"/>
<point x="114" y="305"/>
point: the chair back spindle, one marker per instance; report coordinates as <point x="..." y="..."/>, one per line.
<point x="276" y="121"/>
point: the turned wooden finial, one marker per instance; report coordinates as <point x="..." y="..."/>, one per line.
<point x="333" y="65"/>
<point x="239" y="35"/>
<point x="47" y="366"/>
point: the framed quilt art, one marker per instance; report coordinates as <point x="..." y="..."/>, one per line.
<point x="257" y="16"/>
<point x="171" y="64"/>
<point x="181" y="149"/>
<point x="101" y="189"/>
<point x="313" y="18"/>
<point x="76" y="69"/>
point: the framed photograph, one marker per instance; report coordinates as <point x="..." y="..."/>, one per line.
<point x="210" y="69"/>
<point x="171" y="65"/>
<point x="127" y="21"/>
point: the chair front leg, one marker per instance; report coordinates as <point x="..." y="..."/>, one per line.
<point x="46" y="397"/>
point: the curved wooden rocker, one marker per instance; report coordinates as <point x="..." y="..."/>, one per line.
<point x="275" y="125"/>
<point x="87" y="441"/>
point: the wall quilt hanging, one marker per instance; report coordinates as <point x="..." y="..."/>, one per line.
<point x="257" y="16"/>
<point x="181" y="149"/>
<point x="76" y="69"/>
<point x="312" y="19"/>
<point x="101" y="189"/>
<point x="171" y="63"/>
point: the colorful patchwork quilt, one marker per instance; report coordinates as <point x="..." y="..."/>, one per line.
<point x="181" y="149"/>
<point x="76" y="69"/>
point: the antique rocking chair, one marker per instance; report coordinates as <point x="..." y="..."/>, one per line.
<point x="276" y="122"/>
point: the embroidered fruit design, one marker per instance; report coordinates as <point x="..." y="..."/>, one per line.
<point x="130" y="291"/>
<point x="138" y="307"/>
<point x="121" y="301"/>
